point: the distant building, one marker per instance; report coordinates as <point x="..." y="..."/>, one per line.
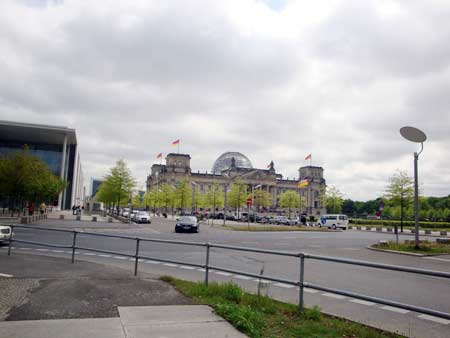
<point x="95" y="184"/>
<point x="56" y="146"/>
<point x="233" y="164"/>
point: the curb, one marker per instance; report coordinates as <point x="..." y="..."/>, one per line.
<point x="352" y="227"/>
<point x="278" y="231"/>
<point x="405" y="252"/>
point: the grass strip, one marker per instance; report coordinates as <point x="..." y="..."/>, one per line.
<point x="272" y="228"/>
<point x="263" y="317"/>
<point x="425" y="247"/>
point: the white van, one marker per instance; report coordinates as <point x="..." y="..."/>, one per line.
<point x="335" y="221"/>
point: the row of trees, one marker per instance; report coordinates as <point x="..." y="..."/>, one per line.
<point x="118" y="185"/>
<point x="25" y="179"/>
<point x="396" y="203"/>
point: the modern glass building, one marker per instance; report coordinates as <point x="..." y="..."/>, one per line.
<point x="56" y="146"/>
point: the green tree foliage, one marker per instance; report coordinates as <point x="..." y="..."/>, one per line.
<point x="262" y="199"/>
<point x="333" y="200"/>
<point x="118" y="185"/>
<point x="237" y="195"/>
<point x="289" y="199"/>
<point x="400" y="192"/>
<point x="183" y="195"/>
<point x="214" y="197"/>
<point x="167" y="196"/>
<point x="27" y="179"/>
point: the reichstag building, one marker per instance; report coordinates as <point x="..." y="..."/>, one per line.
<point x="231" y="165"/>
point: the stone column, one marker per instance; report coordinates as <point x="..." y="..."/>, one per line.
<point x="63" y="171"/>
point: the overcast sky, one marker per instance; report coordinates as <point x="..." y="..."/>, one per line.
<point x="275" y="80"/>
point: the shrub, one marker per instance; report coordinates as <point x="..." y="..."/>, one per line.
<point x="384" y="222"/>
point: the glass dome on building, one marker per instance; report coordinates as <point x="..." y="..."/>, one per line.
<point x="223" y="162"/>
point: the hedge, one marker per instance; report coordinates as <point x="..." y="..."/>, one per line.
<point x="385" y="222"/>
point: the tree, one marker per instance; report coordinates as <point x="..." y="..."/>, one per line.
<point x="214" y="197"/>
<point x="26" y="178"/>
<point x="261" y="199"/>
<point x="167" y="196"/>
<point x="400" y="192"/>
<point x="333" y="200"/>
<point x="237" y="195"/>
<point x="289" y="199"/>
<point x="118" y="185"/>
<point x="183" y="195"/>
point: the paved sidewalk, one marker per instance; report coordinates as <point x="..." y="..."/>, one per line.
<point x="171" y="321"/>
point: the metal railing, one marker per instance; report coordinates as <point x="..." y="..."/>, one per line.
<point x="300" y="283"/>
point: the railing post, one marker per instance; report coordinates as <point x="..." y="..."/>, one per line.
<point x="10" y="240"/>
<point x="301" y="302"/>
<point x="74" y="242"/>
<point x="207" y="264"/>
<point x="136" y="256"/>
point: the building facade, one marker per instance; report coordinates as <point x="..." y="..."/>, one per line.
<point x="232" y="165"/>
<point x="56" y="146"/>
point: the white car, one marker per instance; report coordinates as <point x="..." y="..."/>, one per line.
<point x="142" y="217"/>
<point x="5" y="233"/>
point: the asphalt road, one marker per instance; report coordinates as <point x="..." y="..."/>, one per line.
<point x="430" y="292"/>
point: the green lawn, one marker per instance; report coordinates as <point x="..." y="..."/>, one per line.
<point x="424" y="248"/>
<point x="272" y="228"/>
<point x="263" y="317"/>
<point x="404" y="227"/>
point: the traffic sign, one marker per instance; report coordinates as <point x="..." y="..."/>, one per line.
<point x="249" y="201"/>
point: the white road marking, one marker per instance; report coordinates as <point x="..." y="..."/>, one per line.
<point x="187" y="267"/>
<point x="170" y="264"/>
<point x="102" y="255"/>
<point x="438" y="259"/>
<point x="201" y="270"/>
<point x="5" y="275"/>
<point x="58" y="251"/>
<point x="310" y="290"/>
<point x="243" y="277"/>
<point x="223" y="273"/>
<point x="363" y="302"/>
<point x="29" y="249"/>
<point x="88" y="253"/>
<point x="151" y="262"/>
<point x="287" y="286"/>
<point x="44" y="250"/>
<point x="435" y="319"/>
<point x="119" y="257"/>
<point x="394" y="309"/>
<point x="332" y="295"/>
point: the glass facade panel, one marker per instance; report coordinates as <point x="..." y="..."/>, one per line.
<point x="224" y="162"/>
<point x="49" y="153"/>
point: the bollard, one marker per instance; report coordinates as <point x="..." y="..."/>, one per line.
<point x="61" y="216"/>
<point x="10" y="240"/>
<point x="110" y="220"/>
<point x="443" y="233"/>
<point x="427" y="232"/>
<point x="78" y="218"/>
<point x="94" y="218"/>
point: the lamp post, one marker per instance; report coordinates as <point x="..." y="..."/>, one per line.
<point x="415" y="135"/>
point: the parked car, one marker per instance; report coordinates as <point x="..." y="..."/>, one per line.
<point x="133" y="214"/>
<point x="187" y="223"/>
<point x="142" y="217"/>
<point x="5" y="233"/>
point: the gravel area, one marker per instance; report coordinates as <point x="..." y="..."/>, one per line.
<point x="15" y="292"/>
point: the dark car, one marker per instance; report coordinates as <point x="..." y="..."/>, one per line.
<point x="187" y="223"/>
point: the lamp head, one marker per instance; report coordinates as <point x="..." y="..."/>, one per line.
<point x="413" y="134"/>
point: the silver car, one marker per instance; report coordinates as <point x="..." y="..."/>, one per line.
<point x="142" y="217"/>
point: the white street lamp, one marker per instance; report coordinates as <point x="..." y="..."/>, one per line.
<point x="415" y="135"/>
